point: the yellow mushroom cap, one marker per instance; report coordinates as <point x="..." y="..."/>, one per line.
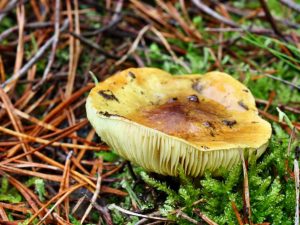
<point x="162" y="122"/>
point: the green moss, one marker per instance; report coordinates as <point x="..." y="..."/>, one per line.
<point x="272" y="193"/>
<point x="7" y="193"/>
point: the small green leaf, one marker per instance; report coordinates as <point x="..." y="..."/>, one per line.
<point x="107" y="156"/>
<point x="94" y="77"/>
<point x="40" y="188"/>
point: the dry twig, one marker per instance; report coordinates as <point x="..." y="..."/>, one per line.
<point x="291" y="4"/>
<point x="54" y="44"/>
<point x="204" y="217"/>
<point x="34" y="59"/>
<point x="247" y="208"/>
<point x="113" y="206"/>
<point x="96" y="193"/>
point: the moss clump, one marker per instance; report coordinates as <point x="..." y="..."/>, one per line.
<point x="272" y="190"/>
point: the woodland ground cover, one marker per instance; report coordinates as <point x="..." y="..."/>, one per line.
<point x="55" y="170"/>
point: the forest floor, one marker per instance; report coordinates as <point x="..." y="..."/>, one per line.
<point x="55" y="170"/>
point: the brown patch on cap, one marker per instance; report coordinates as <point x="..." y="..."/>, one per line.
<point x="243" y="105"/>
<point x="107" y="94"/>
<point x="197" y="86"/>
<point x="183" y="119"/>
<point x="174" y="99"/>
<point x="229" y="123"/>
<point x="208" y="124"/>
<point x="131" y="74"/>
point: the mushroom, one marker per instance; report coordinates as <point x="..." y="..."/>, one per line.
<point x="162" y="122"/>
